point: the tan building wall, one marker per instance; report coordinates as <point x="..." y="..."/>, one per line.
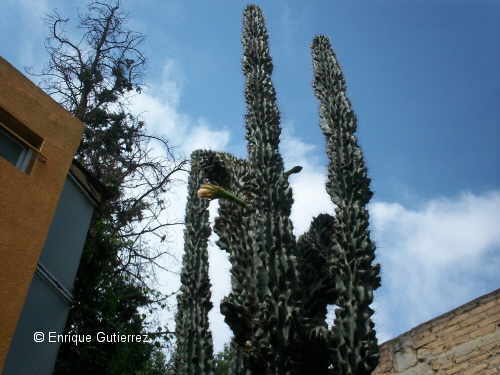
<point x="464" y="341"/>
<point x="28" y="200"/>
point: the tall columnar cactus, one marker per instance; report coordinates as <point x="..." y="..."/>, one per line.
<point x="274" y="245"/>
<point x="194" y="351"/>
<point x="281" y="287"/>
<point x="354" y="346"/>
<point x="262" y="306"/>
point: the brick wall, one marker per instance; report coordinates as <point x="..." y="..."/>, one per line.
<point x="464" y="341"/>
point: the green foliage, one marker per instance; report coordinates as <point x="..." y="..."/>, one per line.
<point x="223" y="360"/>
<point x="157" y="364"/>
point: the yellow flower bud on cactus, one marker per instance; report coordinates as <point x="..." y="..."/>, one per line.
<point x="208" y="191"/>
<point x="211" y="191"/>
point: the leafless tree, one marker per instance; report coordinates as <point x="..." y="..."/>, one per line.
<point x="94" y="77"/>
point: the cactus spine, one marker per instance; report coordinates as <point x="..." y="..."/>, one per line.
<point x="194" y="346"/>
<point x="281" y="287"/>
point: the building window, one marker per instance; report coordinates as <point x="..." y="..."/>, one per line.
<point x="18" y="144"/>
<point x="14" y="151"/>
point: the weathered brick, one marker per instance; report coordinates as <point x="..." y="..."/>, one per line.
<point x="467" y="309"/>
<point x="491" y="319"/>
<point x="489" y="347"/>
<point x="495" y="361"/>
<point x="473" y="319"/>
<point x="465" y="356"/>
<point x="456" y="319"/>
<point x="464" y="329"/>
<point x="437" y="348"/>
<point x="423" y="338"/>
<point x="493" y="313"/>
<point x="457" y="340"/>
<point x="457" y="368"/>
<point x="477" y="369"/>
<point x="439" y="322"/>
<point x="486" y="305"/>
<point x="442" y="362"/>
<point x="424" y="354"/>
<point x="384" y="366"/>
<point x="480" y="357"/>
<point x="449" y="330"/>
<point x="483" y="331"/>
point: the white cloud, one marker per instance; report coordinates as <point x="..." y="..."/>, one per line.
<point x="435" y="257"/>
<point x="294" y="150"/>
<point x="310" y="197"/>
<point x="202" y="137"/>
<point x="159" y="107"/>
<point x="160" y="115"/>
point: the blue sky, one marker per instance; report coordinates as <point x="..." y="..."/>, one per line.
<point x="423" y="79"/>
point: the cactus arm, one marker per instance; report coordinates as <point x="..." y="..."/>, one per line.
<point x="295" y="169"/>
<point x="356" y="349"/>
<point x="194" y="346"/>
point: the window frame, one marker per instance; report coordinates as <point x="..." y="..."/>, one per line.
<point x="24" y="137"/>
